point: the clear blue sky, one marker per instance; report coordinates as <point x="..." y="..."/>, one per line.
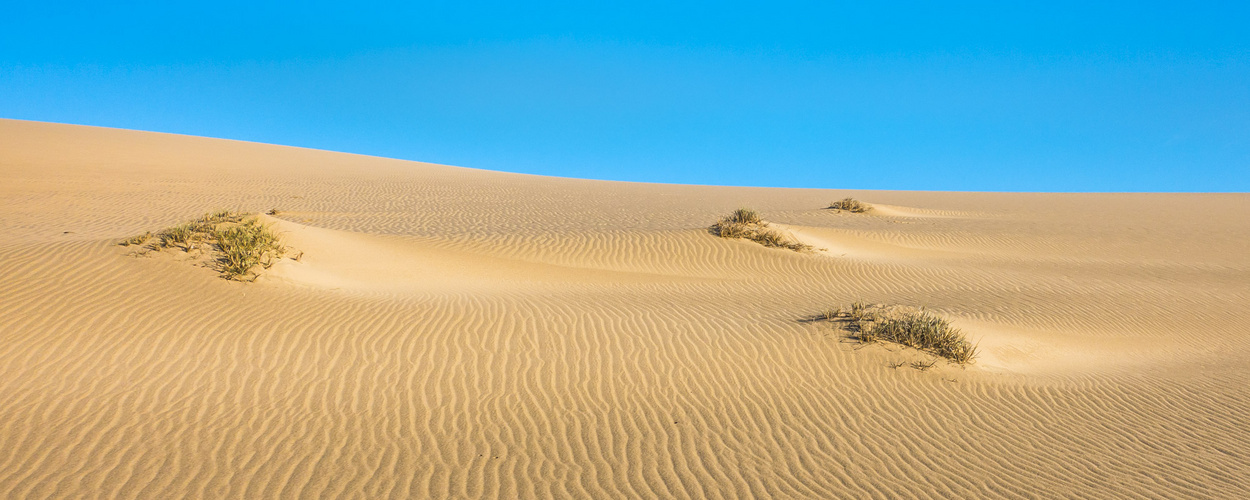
<point x="1055" y="96"/>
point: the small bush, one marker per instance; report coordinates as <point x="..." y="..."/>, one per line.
<point x="745" y="216"/>
<point x="246" y="245"/>
<point x="180" y="235"/>
<point x="913" y="328"/>
<point x="729" y="229"/>
<point x="850" y="205"/>
<point x="240" y="242"/>
<point x="770" y="238"/>
<point x="747" y="223"/>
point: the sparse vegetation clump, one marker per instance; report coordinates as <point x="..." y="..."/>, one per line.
<point x="182" y="235"/>
<point x="745" y="216"/>
<point x="747" y="223"/>
<point x="137" y="239"/>
<point x="919" y="329"/>
<point x="245" y="245"/>
<point x="237" y="243"/>
<point x="851" y="205"/>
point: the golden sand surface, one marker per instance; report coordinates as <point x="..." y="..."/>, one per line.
<point x="459" y="333"/>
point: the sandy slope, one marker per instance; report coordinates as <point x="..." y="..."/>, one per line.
<point x="461" y="333"/>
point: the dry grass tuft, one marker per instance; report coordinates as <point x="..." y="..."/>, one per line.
<point x="913" y="328"/>
<point x="245" y="245"/>
<point x="851" y="205"/>
<point x="831" y="314"/>
<point x="181" y="235"/>
<point x="238" y="242"/>
<point x="745" y="216"/>
<point x="136" y="240"/>
<point x="185" y="236"/>
<point x="221" y="216"/>
<point x="747" y="223"/>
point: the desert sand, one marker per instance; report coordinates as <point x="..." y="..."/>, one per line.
<point x="459" y="333"/>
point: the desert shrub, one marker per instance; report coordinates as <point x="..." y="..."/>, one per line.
<point x="747" y="223"/>
<point x="210" y="222"/>
<point x="239" y="242"/>
<point x="186" y="234"/>
<point x="728" y="229"/>
<point x="913" y="328"/>
<point x="180" y="235"/>
<point x="245" y="245"/>
<point x="770" y="238"/>
<point x="745" y="216"/>
<point x="850" y="205"/>
<point x="923" y="330"/>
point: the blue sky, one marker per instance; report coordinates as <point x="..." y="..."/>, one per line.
<point x="1055" y="96"/>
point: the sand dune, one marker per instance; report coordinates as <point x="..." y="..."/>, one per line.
<point x="452" y="333"/>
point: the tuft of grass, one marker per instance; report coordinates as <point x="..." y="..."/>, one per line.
<point x="747" y="223"/>
<point x="924" y="330"/>
<point x="850" y="205"/>
<point x="857" y="311"/>
<point x="185" y="235"/>
<point x="137" y="239"/>
<point x="239" y="242"/>
<point x="245" y="245"/>
<point x="745" y="216"/>
<point x="179" y="236"/>
<point x="770" y="238"/>
<point x="220" y="216"/>
<point x="726" y="229"/>
<point x="831" y="313"/>
<point x="912" y="328"/>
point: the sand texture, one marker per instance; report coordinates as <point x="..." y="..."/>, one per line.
<point x="459" y="333"/>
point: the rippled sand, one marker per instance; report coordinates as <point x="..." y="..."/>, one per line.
<point x="452" y="332"/>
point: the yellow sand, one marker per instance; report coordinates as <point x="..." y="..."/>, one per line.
<point x="452" y="333"/>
